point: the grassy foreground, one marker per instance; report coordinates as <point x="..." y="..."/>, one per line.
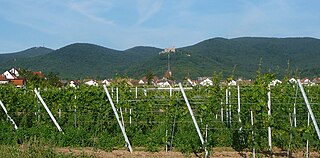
<point x="33" y="149"/>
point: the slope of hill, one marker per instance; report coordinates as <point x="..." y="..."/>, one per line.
<point x="82" y="60"/>
<point x="28" y="53"/>
<point x="8" y="60"/>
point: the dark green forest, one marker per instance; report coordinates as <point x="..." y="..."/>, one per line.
<point x="237" y="57"/>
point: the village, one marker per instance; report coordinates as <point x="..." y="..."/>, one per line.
<point x="13" y="77"/>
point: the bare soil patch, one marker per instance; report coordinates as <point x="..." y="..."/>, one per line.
<point x="220" y="152"/>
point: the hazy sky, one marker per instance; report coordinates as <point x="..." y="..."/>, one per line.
<point x="122" y="24"/>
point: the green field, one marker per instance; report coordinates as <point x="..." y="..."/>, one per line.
<point x="156" y="120"/>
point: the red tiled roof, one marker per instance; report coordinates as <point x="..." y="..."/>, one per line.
<point x="2" y="78"/>
<point x="18" y="82"/>
<point x="39" y="73"/>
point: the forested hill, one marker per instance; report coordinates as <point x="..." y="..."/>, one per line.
<point x="239" y="55"/>
<point x="28" y="53"/>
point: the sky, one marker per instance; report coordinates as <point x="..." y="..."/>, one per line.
<point x="123" y="24"/>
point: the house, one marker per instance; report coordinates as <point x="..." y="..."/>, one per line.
<point x="3" y="79"/>
<point x="39" y="74"/>
<point x="106" y="82"/>
<point x="232" y="83"/>
<point x="12" y="76"/>
<point x="293" y="80"/>
<point x="191" y="82"/>
<point x="244" y="82"/>
<point x="316" y="80"/>
<point x="274" y="82"/>
<point x="144" y="81"/>
<point x="91" y="83"/>
<point x="141" y="82"/>
<point x="72" y="84"/>
<point x="305" y="81"/>
<point x="9" y="76"/>
<point x="14" y="71"/>
<point x="134" y="82"/>
<point x="19" y="82"/>
<point x="206" y="82"/>
<point x="164" y="83"/>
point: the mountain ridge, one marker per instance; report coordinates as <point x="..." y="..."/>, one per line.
<point x="85" y="60"/>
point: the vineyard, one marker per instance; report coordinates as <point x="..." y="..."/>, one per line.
<point x="255" y="117"/>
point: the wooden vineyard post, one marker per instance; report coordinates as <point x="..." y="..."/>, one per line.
<point x="11" y="120"/>
<point x="48" y="110"/>
<point x="118" y="119"/>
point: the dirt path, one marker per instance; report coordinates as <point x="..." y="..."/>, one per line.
<point x="215" y="153"/>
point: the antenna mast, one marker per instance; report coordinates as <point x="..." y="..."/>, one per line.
<point x="168" y="51"/>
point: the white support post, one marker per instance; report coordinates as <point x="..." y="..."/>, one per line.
<point x="239" y="104"/>
<point x="191" y="113"/>
<point x="122" y="120"/>
<point x="314" y="121"/>
<point x="112" y="92"/>
<point x="59" y="112"/>
<point x="295" y="109"/>
<point x="206" y="150"/>
<point x="75" y="113"/>
<point x="118" y="119"/>
<point x="166" y="140"/>
<point x="117" y="92"/>
<point x="136" y="92"/>
<point x="221" y="111"/>
<point x="253" y="149"/>
<point x="269" y="116"/>
<point x="307" y="146"/>
<point x="130" y="111"/>
<point x="230" y="109"/>
<point x="11" y="120"/>
<point x="227" y="103"/>
<point x="75" y="117"/>
<point x="170" y="91"/>
<point x="48" y="110"/>
<point x="294" y="115"/>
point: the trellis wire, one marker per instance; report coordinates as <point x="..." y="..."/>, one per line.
<point x="196" y="101"/>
